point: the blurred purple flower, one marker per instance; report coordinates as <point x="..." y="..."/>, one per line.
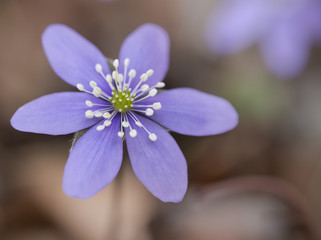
<point x="120" y="104"/>
<point x="285" y="31"/>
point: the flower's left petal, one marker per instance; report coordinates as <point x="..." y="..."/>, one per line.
<point x="72" y="57"/>
<point x="147" y="48"/>
<point x="286" y="49"/>
<point x="191" y="112"/>
<point x="54" y="114"/>
<point x="94" y="161"/>
<point x="159" y="165"/>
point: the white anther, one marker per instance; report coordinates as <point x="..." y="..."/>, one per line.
<point x="144" y="77"/>
<point x="98" y="68"/>
<point x="125" y="124"/>
<point x="98" y="114"/>
<point x="153" y="92"/>
<point x="144" y="87"/>
<point x="97" y="92"/>
<point x="114" y="75"/>
<point x="89" y="103"/>
<point x="160" y="85"/>
<point x="132" y="73"/>
<point x="139" y="124"/>
<point x="106" y="115"/>
<point x="100" y="127"/>
<point x="116" y="63"/>
<point x="152" y="137"/>
<point x="107" y="123"/>
<point x="149" y="112"/>
<point x="126" y="62"/>
<point x="113" y="101"/>
<point x="109" y="79"/>
<point x="120" y="134"/>
<point x="133" y="133"/>
<point x="150" y="72"/>
<point x="93" y="84"/>
<point x="89" y="114"/>
<point x="80" y="87"/>
<point x="157" y="106"/>
<point x="120" y="78"/>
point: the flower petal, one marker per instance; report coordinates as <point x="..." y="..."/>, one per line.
<point x="94" y="161"/>
<point x="159" y="165"/>
<point x="238" y="24"/>
<point x="147" y="48"/>
<point x="72" y="57"/>
<point x="55" y="114"/>
<point x="191" y="112"/>
<point x="284" y="56"/>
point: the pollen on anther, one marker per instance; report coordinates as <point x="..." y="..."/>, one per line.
<point x="120" y="134"/>
<point x="157" y="106"/>
<point x="152" y="137"/>
<point x="89" y="103"/>
<point x="98" y="68"/>
<point x="160" y="85"/>
<point x="133" y="133"/>
<point x="153" y="92"/>
<point x="125" y="124"/>
<point x="150" y="72"/>
<point x="106" y="115"/>
<point x="89" y="114"/>
<point x="149" y="112"/>
<point x="93" y="84"/>
<point x="100" y="127"/>
<point x="80" y="87"/>
<point x="107" y="123"/>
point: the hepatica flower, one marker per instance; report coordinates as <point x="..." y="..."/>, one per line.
<point x="121" y="104"/>
<point x="284" y="30"/>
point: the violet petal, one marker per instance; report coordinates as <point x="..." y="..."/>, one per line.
<point x="159" y="165"/>
<point x="72" y="57"/>
<point x="147" y="48"/>
<point x="191" y="112"/>
<point x="94" y="161"/>
<point x="55" y="114"/>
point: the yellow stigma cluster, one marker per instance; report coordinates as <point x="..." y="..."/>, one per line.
<point x="122" y="100"/>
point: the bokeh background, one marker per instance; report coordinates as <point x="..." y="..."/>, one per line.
<point x="260" y="181"/>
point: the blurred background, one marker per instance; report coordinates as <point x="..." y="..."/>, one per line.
<point x="261" y="181"/>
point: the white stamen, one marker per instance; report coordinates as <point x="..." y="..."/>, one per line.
<point x="80" y="87"/>
<point x="126" y="62"/>
<point x="153" y="92"/>
<point x="121" y="134"/>
<point x="150" y="72"/>
<point x="152" y="137"/>
<point x="145" y="87"/>
<point x="139" y="124"/>
<point x="89" y="103"/>
<point x="120" y="78"/>
<point x="100" y="127"/>
<point x="157" y="106"/>
<point x="116" y="63"/>
<point x="109" y="79"/>
<point x="93" y="84"/>
<point x="98" y="114"/>
<point x="149" y="112"/>
<point x="125" y="124"/>
<point x="133" y="133"/>
<point x="98" y="68"/>
<point x="160" y="85"/>
<point x="144" y="77"/>
<point x="107" y="123"/>
<point x="89" y="114"/>
<point x="97" y="91"/>
<point x="132" y="73"/>
<point x="114" y="75"/>
<point x="106" y="115"/>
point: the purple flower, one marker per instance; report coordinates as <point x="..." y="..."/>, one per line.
<point x="285" y="30"/>
<point x="119" y="105"/>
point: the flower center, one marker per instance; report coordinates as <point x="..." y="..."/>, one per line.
<point x="125" y="100"/>
<point x="122" y="101"/>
